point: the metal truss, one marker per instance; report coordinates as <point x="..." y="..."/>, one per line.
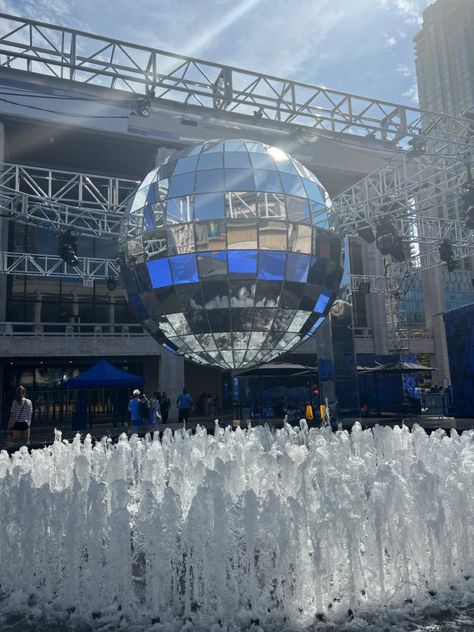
<point x="73" y="55"/>
<point x="52" y="266"/>
<point x="88" y="203"/>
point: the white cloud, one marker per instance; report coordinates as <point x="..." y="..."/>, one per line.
<point x="390" y="42"/>
<point x="412" y="94"/>
<point x="404" y="70"/>
<point x="410" y="10"/>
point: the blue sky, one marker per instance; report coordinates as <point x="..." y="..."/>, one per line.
<point x="359" y="46"/>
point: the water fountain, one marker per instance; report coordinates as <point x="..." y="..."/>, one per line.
<point x="272" y="529"/>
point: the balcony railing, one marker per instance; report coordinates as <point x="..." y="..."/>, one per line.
<point x="72" y="330"/>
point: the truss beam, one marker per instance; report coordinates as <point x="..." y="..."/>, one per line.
<point x="42" y="48"/>
<point x="51" y="266"/>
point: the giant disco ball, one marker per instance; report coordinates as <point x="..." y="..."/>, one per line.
<point x="227" y="257"/>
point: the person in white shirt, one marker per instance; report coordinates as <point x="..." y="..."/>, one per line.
<point x="21" y="413"/>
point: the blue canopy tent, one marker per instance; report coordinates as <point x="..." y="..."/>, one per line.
<point x="101" y="375"/>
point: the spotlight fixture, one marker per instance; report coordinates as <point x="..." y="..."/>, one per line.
<point x="111" y="283"/>
<point x="417" y="147"/>
<point x="468" y="205"/>
<point x="388" y="240"/>
<point x="67" y="247"/>
<point x="367" y="234"/>
<point x="143" y="106"/>
<point x="446" y="254"/>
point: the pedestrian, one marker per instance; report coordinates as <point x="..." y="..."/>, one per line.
<point x="155" y="408"/>
<point x="184" y="403"/>
<point x="144" y="408"/>
<point x="21" y="412"/>
<point x="165" y="406"/>
<point x="134" y="410"/>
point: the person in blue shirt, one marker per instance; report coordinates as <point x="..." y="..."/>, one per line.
<point x="184" y="403"/>
<point x="134" y="410"/>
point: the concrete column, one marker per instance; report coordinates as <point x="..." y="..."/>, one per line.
<point x="171" y="379"/>
<point x="433" y="295"/>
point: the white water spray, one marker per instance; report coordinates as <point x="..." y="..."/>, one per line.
<point x="282" y="527"/>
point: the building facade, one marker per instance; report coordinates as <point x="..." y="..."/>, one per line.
<point x="445" y="76"/>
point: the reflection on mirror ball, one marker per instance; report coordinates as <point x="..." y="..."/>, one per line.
<point x="227" y="257"/>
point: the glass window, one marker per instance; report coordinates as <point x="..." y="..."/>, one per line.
<point x="236" y="160"/>
<point x="139" y="200"/>
<point x="239" y="180"/>
<point x="181" y="185"/>
<point x="271" y="205"/>
<point x="272" y="235"/>
<point x="206" y="340"/>
<point x="208" y="181"/>
<point x="198" y="322"/>
<point x="190" y="296"/>
<point x="298" y="321"/>
<point x="185" y="165"/>
<point x="283" y="319"/>
<point x="271" y="265"/>
<point x="323" y="244"/>
<point x="241" y="205"/>
<point x="240" y="339"/>
<point x="321" y="303"/>
<point x="168" y="300"/>
<point x="252" y="147"/>
<point x="292" y="185"/>
<point x="304" y="173"/>
<point x="291" y="295"/>
<point x="148" y="216"/>
<point x="180" y="239"/>
<point x="210" y="235"/>
<point x="213" y="146"/>
<point x="179" y="323"/>
<point x="209" y="206"/>
<point x="313" y="191"/>
<point x="184" y="269"/>
<point x="163" y="189"/>
<point x="243" y="262"/>
<point x="287" y="166"/>
<point x="219" y="320"/>
<point x="242" y="319"/>
<point x="298" y="209"/>
<point x="212" y="264"/>
<point x="317" y="271"/>
<point x="319" y="215"/>
<point x="234" y="145"/>
<point x="267" y="293"/>
<point x="242" y="294"/>
<point x="210" y="160"/>
<point x="216" y="294"/>
<point x="159" y="271"/>
<point x="154" y="242"/>
<point x="180" y="210"/>
<point x="241" y="234"/>
<point x="262" y="161"/>
<point x="310" y="296"/>
<point x="299" y="238"/>
<point x="149" y="178"/>
<point x="267" y="180"/>
<point x="297" y="267"/>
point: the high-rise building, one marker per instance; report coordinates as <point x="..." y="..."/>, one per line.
<point x="445" y="75"/>
<point x="445" y="57"/>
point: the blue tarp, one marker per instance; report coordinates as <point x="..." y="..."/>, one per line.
<point x="104" y="375"/>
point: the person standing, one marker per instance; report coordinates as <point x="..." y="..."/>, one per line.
<point x="155" y="408"/>
<point x="21" y="413"/>
<point x="134" y="410"/>
<point x="144" y="408"/>
<point x="184" y="403"/>
<point x="165" y="405"/>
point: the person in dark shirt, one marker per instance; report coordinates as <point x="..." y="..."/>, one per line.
<point x="165" y="407"/>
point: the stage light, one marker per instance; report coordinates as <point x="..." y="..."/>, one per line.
<point x="143" y="106"/>
<point x="367" y="234"/>
<point x="417" y="147"/>
<point x="388" y="240"/>
<point x="446" y="254"/>
<point x="111" y="283"/>
<point x="67" y="247"/>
